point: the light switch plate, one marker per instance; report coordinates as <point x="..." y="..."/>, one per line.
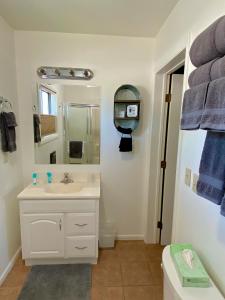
<point x="194" y="183"/>
<point x="187" y="179"/>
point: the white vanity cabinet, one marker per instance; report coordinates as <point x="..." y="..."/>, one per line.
<point x="59" y="231"/>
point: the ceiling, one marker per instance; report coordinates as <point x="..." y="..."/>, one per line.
<point x="141" y="18"/>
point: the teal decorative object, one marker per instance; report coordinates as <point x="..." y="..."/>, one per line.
<point x="34" y="178"/>
<point x="49" y="176"/>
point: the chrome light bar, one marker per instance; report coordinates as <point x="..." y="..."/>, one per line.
<point x="45" y="72"/>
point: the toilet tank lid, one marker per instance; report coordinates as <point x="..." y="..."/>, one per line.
<point x="183" y="292"/>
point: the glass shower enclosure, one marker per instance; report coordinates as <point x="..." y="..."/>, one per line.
<point x="82" y="133"/>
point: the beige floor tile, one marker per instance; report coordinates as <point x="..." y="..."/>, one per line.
<point x="154" y="252"/>
<point x="21" y="268"/>
<point x="108" y="256"/>
<point x="143" y="293"/>
<point x="106" y="274"/>
<point x="131" y="251"/>
<point x="19" y="260"/>
<point x="130" y="245"/>
<point x="15" y="278"/>
<point x="156" y="271"/>
<point x="107" y="293"/>
<point x="9" y="293"/>
<point x="132" y="255"/>
<point x="136" y="273"/>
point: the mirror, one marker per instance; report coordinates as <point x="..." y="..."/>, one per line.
<point x="66" y="122"/>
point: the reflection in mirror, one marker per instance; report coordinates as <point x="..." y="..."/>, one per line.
<point x="67" y="124"/>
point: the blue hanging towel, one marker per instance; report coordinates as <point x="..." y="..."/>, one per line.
<point x="211" y="183"/>
<point x="222" y="211"/>
<point x="213" y="117"/>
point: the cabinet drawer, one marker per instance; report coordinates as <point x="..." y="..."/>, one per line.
<point x="80" y="246"/>
<point x="80" y="224"/>
<point x="62" y="206"/>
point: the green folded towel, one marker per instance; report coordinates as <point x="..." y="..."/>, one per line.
<point x="189" y="277"/>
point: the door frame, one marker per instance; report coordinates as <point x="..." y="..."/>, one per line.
<point x="152" y="232"/>
<point x="164" y="144"/>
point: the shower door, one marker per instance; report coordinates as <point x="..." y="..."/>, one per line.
<point x="82" y="126"/>
<point x="94" y="136"/>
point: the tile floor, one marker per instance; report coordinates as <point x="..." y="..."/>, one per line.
<point x="130" y="271"/>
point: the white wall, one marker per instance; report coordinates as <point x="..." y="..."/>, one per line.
<point x="197" y="220"/>
<point x="10" y="164"/>
<point x="114" y="61"/>
<point x="82" y="94"/>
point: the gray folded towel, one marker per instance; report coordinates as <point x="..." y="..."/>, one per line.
<point x="8" y="132"/>
<point x="218" y="68"/>
<point x="37" y="132"/>
<point x="212" y="70"/>
<point x="209" y="44"/>
<point x="211" y="183"/>
<point x="201" y="74"/>
<point x="76" y="149"/>
<point x="213" y="117"/>
<point x="193" y="106"/>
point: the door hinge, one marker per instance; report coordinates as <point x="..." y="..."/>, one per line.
<point x="159" y="225"/>
<point x="168" y="98"/>
<point x="163" y="164"/>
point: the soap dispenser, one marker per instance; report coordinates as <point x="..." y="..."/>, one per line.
<point x="49" y="176"/>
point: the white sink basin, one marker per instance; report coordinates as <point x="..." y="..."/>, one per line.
<point x="62" y="188"/>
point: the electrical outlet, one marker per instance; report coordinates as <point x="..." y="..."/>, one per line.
<point x="194" y="183"/>
<point x="187" y="179"/>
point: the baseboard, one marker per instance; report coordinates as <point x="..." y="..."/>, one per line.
<point x="130" y="237"/>
<point x="9" y="266"/>
<point x="60" y="261"/>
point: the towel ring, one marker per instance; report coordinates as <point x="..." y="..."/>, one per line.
<point x="4" y="103"/>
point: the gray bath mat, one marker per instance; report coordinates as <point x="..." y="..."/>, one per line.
<point x="58" y="282"/>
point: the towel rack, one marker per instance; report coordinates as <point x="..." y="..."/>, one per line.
<point x="4" y="102"/>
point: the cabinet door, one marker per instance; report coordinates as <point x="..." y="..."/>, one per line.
<point x="42" y="235"/>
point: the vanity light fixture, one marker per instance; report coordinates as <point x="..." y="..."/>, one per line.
<point x="45" y="72"/>
<point x="72" y="73"/>
<point x="57" y="72"/>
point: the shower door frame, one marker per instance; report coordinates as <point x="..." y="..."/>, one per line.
<point x="66" y="126"/>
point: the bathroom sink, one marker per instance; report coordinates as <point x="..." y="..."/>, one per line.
<point x="61" y="188"/>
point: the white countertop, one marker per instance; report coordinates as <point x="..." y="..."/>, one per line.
<point x="90" y="190"/>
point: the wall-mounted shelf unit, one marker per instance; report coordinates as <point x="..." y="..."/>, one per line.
<point x="127" y="107"/>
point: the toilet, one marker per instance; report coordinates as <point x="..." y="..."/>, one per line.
<point x="173" y="289"/>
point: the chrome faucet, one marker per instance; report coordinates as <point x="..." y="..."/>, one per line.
<point x="66" y="179"/>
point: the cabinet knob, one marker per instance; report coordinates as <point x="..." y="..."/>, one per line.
<point x="60" y="224"/>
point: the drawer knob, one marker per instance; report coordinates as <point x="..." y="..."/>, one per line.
<point x="80" y="225"/>
<point x="80" y="248"/>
